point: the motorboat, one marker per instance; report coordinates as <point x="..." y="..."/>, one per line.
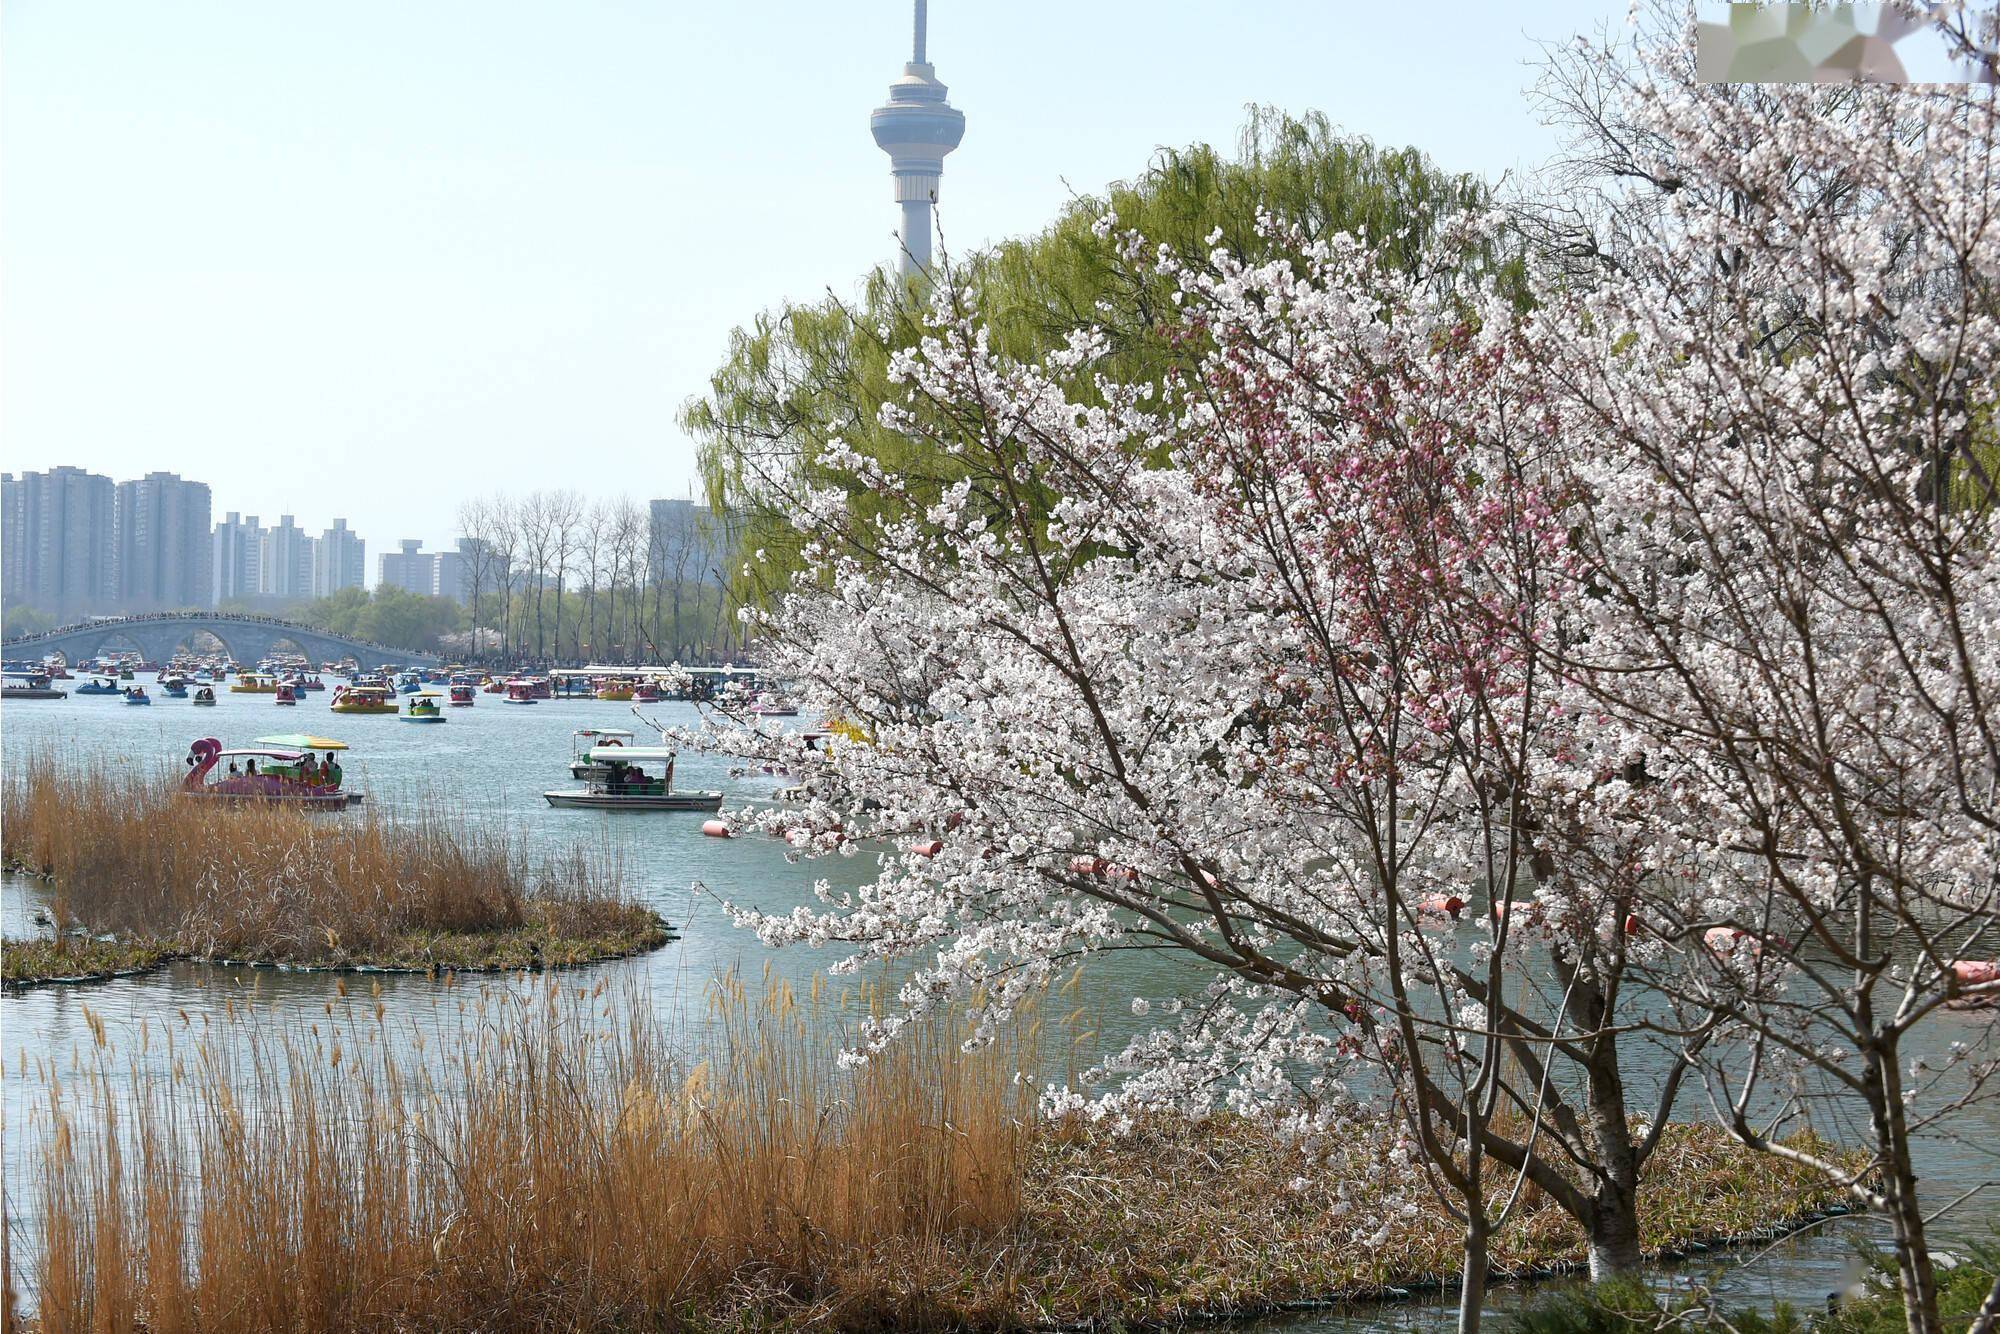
<point x="270" y="772"/>
<point x="364" y="699"/>
<point x="586" y="739"/>
<point x="422" y="707"/>
<point x="30" y="685"/>
<point x="462" y="697"/>
<point x="625" y="784"/>
<point x="770" y="704"/>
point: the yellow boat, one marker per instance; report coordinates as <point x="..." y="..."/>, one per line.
<point x="254" y="683"/>
<point x="364" y="699"/>
<point x="618" y="690"/>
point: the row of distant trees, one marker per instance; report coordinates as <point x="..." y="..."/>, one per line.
<point x="553" y="576"/>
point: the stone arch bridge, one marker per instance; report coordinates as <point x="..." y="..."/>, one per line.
<point x="244" y="638"/>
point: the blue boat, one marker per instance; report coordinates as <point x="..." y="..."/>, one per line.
<point x="137" y="695"/>
<point x="99" y="687"/>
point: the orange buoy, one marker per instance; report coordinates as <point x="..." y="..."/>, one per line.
<point x="928" y="848"/>
<point x="716" y="829"/>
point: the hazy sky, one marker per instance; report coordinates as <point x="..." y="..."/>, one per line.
<point x="362" y="258"/>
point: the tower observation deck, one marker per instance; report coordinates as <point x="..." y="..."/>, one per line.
<point x="916" y="127"/>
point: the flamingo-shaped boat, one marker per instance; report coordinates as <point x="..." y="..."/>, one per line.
<point x="267" y="772"/>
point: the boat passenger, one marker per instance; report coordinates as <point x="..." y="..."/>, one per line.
<point x="232" y="768"/>
<point x="249" y="768"/>
<point x="309" y="768"/>
<point x="330" y="772"/>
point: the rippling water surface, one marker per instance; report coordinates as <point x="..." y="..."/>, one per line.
<point x="489" y="765"/>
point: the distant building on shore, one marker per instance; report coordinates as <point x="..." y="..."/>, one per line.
<point x="450" y="574"/>
<point x="684" y="544"/>
<point x="162" y="541"/>
<point x="342" y="560"/>
<point x="58" y="541"/>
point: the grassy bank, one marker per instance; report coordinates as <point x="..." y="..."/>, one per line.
<point x="70" y="959"/>
<point x="565" y="1167"/>
<point x="267" y="884"/>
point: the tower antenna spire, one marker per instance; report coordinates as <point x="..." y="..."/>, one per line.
<point x="923" y="12"/>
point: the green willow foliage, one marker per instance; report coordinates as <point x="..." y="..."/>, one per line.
<point x="807" y="374"/>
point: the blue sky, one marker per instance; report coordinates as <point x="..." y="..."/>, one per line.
<point x="362" y="258"/>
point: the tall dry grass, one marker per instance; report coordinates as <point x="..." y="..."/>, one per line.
<point x="564" y="1169"/>
<point x="231" y="880"/>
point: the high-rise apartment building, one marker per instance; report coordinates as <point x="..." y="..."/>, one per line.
<point x="342" y="561"/>
<point x="286" y="566"/>
<point x="162" y="542"/>
<point x="684" y="543"/>
<point x="238" y="554"/>
<point x="60" y="547"/>
<point x="408" y="568"/>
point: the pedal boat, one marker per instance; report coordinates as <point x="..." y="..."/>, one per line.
<point x="280" y="781"/>
<point x="254" y="683"/>
<point x="137" y="695"/>
<point x="287" y="694"/>
<point x="625" y="785"/>
<point x="101" y="686"/>
<point x="203" y="695"/>
<point x="520" y="692"/>
<point x="423" y="708"/>
<point x="364" y="699"/>
<point x="462" y="697"/>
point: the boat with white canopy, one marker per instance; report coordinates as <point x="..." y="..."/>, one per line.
<point x="627" y="785"/>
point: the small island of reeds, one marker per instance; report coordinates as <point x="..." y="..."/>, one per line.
<point x="139" y="874"/>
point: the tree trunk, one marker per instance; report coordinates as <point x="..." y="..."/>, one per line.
<point x="1472" y="1288"/>
<point x="1916" y="1276"/>
<point x="1614" y="1235"/>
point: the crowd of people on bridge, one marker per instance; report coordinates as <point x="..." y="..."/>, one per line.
<point x="109" y="622"/>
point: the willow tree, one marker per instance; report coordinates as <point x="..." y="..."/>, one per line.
<point x="806" y="375"/>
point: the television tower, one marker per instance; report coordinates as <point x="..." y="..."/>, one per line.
<point x="916" y="127"/>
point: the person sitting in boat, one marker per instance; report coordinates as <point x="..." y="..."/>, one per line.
<point x="309" y="769"/>
<point x="232" y="768"/>
<point x="330" y="771"/>
<point x="249" y="768"/>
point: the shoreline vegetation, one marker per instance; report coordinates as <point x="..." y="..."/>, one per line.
<point x="571" y="1163"/>
<point x="140" y="875"/>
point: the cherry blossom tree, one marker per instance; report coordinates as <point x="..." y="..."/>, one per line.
<point x="1781" y="413"/>
<point x="1247" y="670"/>
<point x="1655" y="620"/>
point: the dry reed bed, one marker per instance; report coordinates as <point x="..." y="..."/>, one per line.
<point x="566" y="1169"/>
<point x="135" y="860"/>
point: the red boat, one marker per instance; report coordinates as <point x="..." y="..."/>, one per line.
<point x="287" y="694"/>
<point x="461" y="697"/>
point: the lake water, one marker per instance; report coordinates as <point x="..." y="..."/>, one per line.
<point x="491" y="763"/>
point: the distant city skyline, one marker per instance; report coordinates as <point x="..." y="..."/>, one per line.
<point x="368" y="259"/>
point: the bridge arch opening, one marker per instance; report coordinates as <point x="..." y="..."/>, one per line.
<point x="204" y="644"/>
<point x="285" y="645"/>
<point x="118" y="642"/>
